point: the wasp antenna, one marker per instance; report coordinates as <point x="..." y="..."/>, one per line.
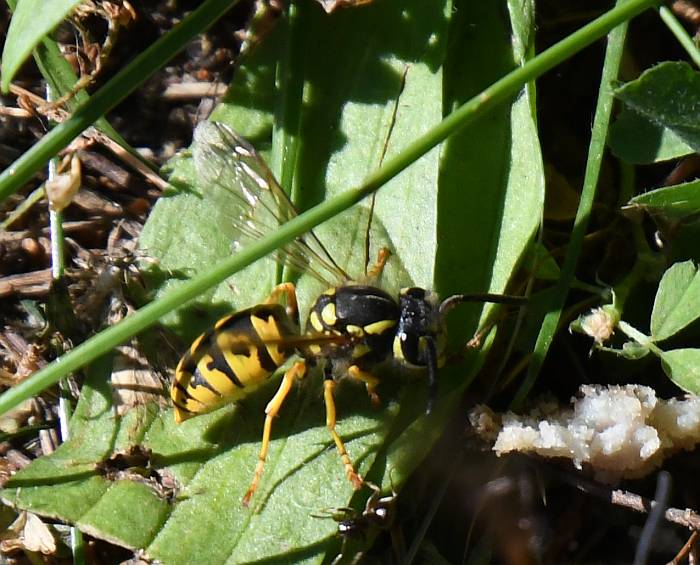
<point x="431" y="354"/>
<point x="450" y="302"/>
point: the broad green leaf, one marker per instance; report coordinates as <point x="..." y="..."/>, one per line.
<point x="303" y="476"/>
<point x="67" y="484"/>
<point x="639" y="141"/>
<point x="362" y="106"/>
<point x="543" y="264"/>
<point x="677" y="302"/>
<point x="683" y="367"/>
<point x="31" y="21"/>
<point x="491" y="178"/>
<point x="131" y="512"/>
<point x="189" y="230"/>
<point x="668" y="95"/>
<point x="383" y="86"/>
<point x="679" y="201"/>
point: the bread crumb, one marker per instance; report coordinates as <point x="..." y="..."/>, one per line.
<point x="620" y="431"/>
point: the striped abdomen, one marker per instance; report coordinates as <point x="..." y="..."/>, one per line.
<point x="232" y="359"/>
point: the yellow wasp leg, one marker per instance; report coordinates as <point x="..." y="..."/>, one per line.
<point x="370" y="381"/>
<point x="376" y="270"/>
<point x="290" y="291"/>
<point x="353" y="477"/>
<point x="296" y="371"/>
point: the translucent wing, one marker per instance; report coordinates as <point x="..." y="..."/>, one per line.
<point x="223" y="160"/>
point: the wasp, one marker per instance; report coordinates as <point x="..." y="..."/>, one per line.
<point x="351" y="328"/>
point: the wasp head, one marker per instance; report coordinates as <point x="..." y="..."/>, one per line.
<point x="419" y="339"/>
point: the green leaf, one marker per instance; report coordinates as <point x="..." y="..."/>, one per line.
<point x="32" y="20"/>
<point x="358" y="110"/>
<point x="679" y="201"/>
<point x="634" y="351"/>
<point x="683" y="367"/>
<point x="383" y="87"/>
<point x="209" y="460"/>
<point x="630" y="350"/>
<point x="544" y="266"/>
<point x="67" y="484"/>
<point x="668" y="95"/>
<point x="361" y="109"/>
<point x="677" y="302"/>
<point x="303" y="475"/>
<point x="491" y="177"/>
<point x="639" y="141"/>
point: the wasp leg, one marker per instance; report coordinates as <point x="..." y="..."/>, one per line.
<point x="371" y="382"/>
<point x="353" y="477"/>
<point x="290" y="291"/>
<point x="376" y="270"/>
<point x="296" y="371"/>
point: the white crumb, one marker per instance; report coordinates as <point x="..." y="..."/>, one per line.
<point x="619" y="431"/>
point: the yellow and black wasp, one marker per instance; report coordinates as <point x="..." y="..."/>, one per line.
<point x="351" y="327"/>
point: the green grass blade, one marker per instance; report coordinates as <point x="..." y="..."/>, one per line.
<point x="59" y="75"/>
<point x="31" y="21"/>
<point x="120" y="86"/>
<point x="611" y="65"/>
<point x="681" y="34"/>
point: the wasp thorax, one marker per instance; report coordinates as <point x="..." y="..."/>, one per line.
<point x="359" y="322"/>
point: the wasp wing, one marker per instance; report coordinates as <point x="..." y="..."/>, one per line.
<point x="223" y="160"/>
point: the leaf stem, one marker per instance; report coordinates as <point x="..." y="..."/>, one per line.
<point x="639" y="337"/>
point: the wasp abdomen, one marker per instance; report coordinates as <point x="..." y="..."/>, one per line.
<point x="232" y="359"/>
